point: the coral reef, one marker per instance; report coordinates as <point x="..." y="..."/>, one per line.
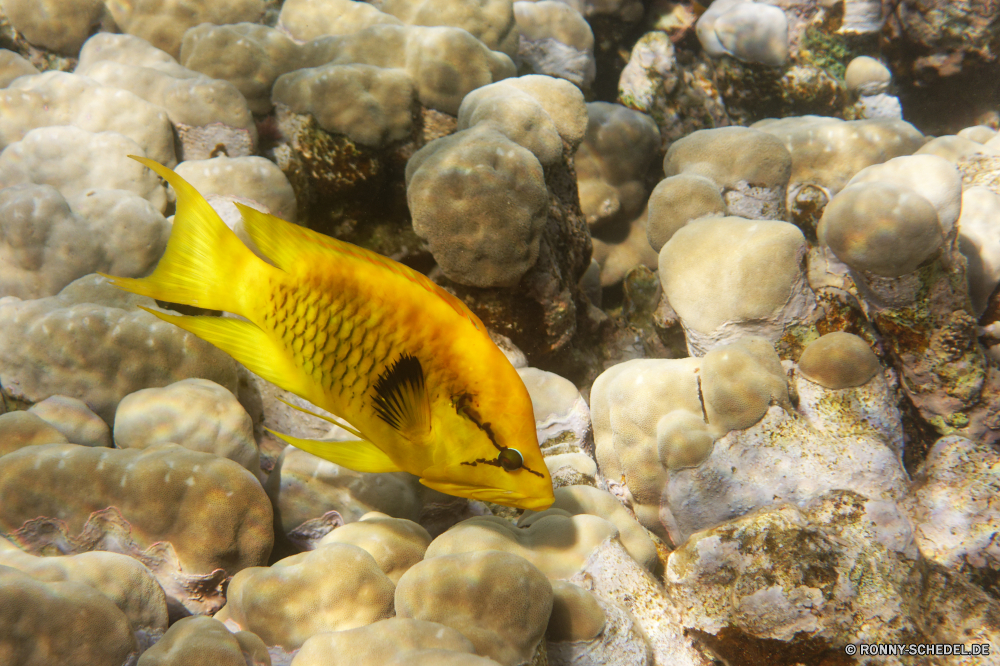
<point x="743" y="255"/>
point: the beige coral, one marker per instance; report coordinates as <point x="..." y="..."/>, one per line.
<point x="198" y="414"/>
<point x="122" y="579"/>
<point x="358" y="595"/>
<point x="555" y="543"/>
<point x="381" y="642"/>
<point x="499" y="601"/>
<point x="163" y="22"/>
<point x="97" y="346"/>
<point x="395" y="543"/>
<point x="66" y="623"/>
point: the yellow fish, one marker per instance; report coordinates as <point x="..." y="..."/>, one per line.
<point x="407" y="366"/>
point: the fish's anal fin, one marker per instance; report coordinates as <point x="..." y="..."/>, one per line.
<point x="245" y="342"/>
<point x="400" y="398"/>
<point x="360" y="456"/>
<point x="346" y="426"/>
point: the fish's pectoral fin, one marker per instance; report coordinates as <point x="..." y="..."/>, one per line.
<point x="346" y="426"/>
<point x="358" y="455"/>
<point x="245" y="342"/>
<point x="400" y="398"/>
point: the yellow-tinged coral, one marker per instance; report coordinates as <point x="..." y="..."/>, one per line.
<point x="557" y="544"/>
<point x="122" y="579"/>
<point x="203" y="641"/>
<point x="839" y="360"/>
<point x="296" y="598"/>
<point x="64" y="623"/>
<point x="499" y="601"/>
<point x="395" y="543"/>
<point x="382" y="641"/>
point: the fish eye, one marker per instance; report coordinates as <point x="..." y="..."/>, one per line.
<point x="510" y="459"/>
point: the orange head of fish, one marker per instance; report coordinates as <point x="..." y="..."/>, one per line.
<point x="487" y="447"/>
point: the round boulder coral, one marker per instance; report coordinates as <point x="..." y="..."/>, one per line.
<point x="576" y="615"/>
<point x="839" y="360"/>
<point x="727" y="277"/>
<point x="739" y="382"/>
<point x="480" y="201"/>
<point x="395" y="543"/>
<point x="204" y="641"/>
<point x="881" y="228"/>
<point x="69" y="624"/>
<point x="750" y="167"/>
<point x="74" y="419"/>
<point x="198" y="414"/>
<point x="381" y="641"/>
<point x="866" y="76"/>
<point x="676" y="201"/>
<point x="499" y="601"/>
<point x="298" y="597"/>
<point x="370" y="105"/>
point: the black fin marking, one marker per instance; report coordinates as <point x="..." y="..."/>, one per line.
<point x="401" y="398"/>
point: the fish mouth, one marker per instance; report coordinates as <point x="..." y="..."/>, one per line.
<point x="495" y="495"/>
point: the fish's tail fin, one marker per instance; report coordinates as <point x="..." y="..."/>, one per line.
<point x="202" y="257"/>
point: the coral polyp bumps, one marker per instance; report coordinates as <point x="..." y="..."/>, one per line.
<point x="754" y="310"/>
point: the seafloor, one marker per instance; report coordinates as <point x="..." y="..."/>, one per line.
<point x="743" y="255"/>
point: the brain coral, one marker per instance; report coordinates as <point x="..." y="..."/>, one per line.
<point x="480" y="201"/>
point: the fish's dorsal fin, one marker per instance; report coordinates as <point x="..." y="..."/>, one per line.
<point x="284" y="243"/>
<point x="400" y="398"/>
<point x="359" y="455"/>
